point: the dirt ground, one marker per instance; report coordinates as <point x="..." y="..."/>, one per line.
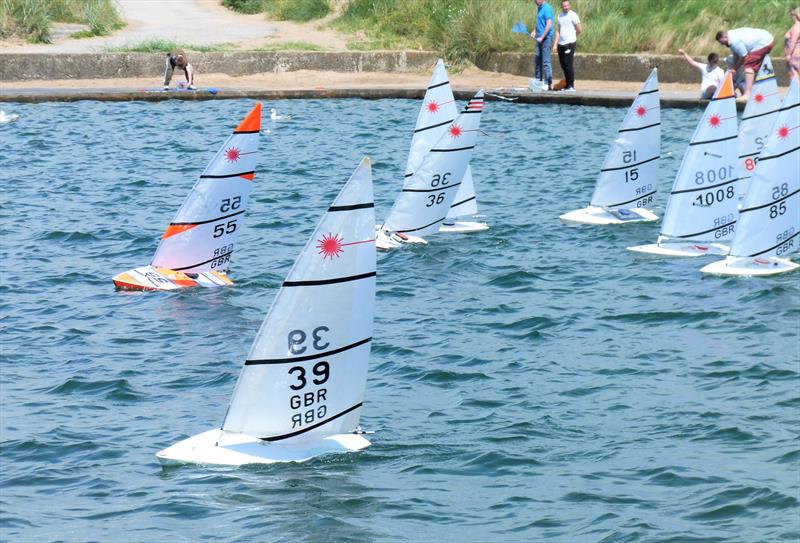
<point x="305" y="79"/>
<point x="189" y="22"/>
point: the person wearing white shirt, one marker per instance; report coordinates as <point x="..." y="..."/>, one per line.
<point x="711" y="74"/>
<point x="567" y="31"/>
<point x="749" y="47"/>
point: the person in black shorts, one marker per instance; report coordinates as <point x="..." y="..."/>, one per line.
<point x="177" y="59"/>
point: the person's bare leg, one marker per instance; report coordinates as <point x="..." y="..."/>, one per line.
<point x="749" y="78"/>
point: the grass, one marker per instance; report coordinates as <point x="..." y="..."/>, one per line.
<point x="32" y="19"/>
<point x="461" y="30"/>
<point x="291" y="46"/>
<point x="284" y="10"/>
<point x="164" y="46"/>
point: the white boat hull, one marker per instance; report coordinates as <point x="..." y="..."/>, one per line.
<point x="599" y="216"/>
<point x="747" y="266"/>
<point x="386" y="241"/>
<point x="682" y="249"/>
<point x="240" y="449"/>
<point x="463" y="227"/>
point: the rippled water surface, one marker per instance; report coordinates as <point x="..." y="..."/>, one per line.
<point x="536" y="382"/>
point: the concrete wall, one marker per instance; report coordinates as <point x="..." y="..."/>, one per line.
<point x="27" y="67"/>
<point x="671" y="68"/>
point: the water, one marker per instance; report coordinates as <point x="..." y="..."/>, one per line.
<point x="536" y="382"/>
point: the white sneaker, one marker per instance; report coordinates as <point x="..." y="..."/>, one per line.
<point x="166" y="87"/>
<point x="569" y="89"/>
<point x="535" y="85"/>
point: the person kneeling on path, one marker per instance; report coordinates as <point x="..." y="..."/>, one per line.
<point x="567" y="32"/>
<point x="712" y="75"/>
<point x="749" y="46"/>
<point x="177" y="59"/>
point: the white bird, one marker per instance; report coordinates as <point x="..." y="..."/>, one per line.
<point x="7" y="117"/>
<point x="273" y="115"/>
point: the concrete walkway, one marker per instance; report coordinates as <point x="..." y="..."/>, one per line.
<point x="187" y="22"/>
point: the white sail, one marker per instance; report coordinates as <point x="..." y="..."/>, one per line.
<point x="437" y="112"/>
<point x="431" y="189"/>
<point x="629" y="174"/>
<point x="702" y="204"/>
<point x="305" y="376"/>
<point x="769" y="221"/>
<point x="465" y="201"/>
<point x="757" y="120"/>
<point x="203" y="234"/>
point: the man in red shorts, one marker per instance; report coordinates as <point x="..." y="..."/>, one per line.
<point x="749" y="47"/>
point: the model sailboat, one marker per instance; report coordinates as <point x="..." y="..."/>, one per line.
<point x="627" y="182"/>
<point x="197" y="246"/>
<point x="430" y="190"/>
<point x="701" y="211"/>
<point x="300" y="392"/>
<point x="757" y="119"/>
<point x="768" y="229"/>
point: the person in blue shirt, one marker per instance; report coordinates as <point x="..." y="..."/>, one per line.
<point x="543" y="72"/>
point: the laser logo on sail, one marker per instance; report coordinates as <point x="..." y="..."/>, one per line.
<point x="232" y="154"/>
<point x="330" y="246"/>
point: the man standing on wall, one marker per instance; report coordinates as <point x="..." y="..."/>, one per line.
<point x="543" y="72"/>
<point x="749" y="47"/>
<point x="567" y="32"/>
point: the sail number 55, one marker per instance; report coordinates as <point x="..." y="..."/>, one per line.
<point x="229" y="204"/>
<point x="225" y="228"/>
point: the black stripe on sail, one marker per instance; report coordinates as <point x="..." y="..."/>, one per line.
<point x="472" y="111"/>
<point x="705" y="188"/>
<point x="769" y="203"/>
<point x="313" y="426"/>
<point x="432" y="190"/>
<point x="787" y="108"/>
<point x="408" y="175"/>
<point x="208" y="221"/>
<point x="639" y="128"/>
<point x="226" y="175"/>
<point x="351" y="207"/>
<point x="259" y="362"/>
<point x="629" y="201"/>
<point x="452" y="150"/>
<point x="759" y="115"/>
<point x="246" y="131"/>
<point x="763" y="158"/>
<point x="713" y="141"/>
<point x="421" y="227"/>
<point x="706" y="231"/>
<point x="201" y="263"/>
<point x="751" y="154"/>
<point x="313" y="283"/>
<point x="437" y="85"/>
<point x="432" y="126"/>
<point x="776" y="245"/>
<point x="462" y="202"/>
<point x="630" y="165"/>
<point x="647" y="92"/>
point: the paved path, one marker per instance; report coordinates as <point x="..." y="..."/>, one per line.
<point x="189" y="22"/>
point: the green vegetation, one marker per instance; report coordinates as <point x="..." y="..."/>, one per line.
<point x="164" y="46"/>
<point x="284" y="10"/>
<point x="464" y="29"/>
<point x="32" y="19"/>
<point x="291" y="46"/>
